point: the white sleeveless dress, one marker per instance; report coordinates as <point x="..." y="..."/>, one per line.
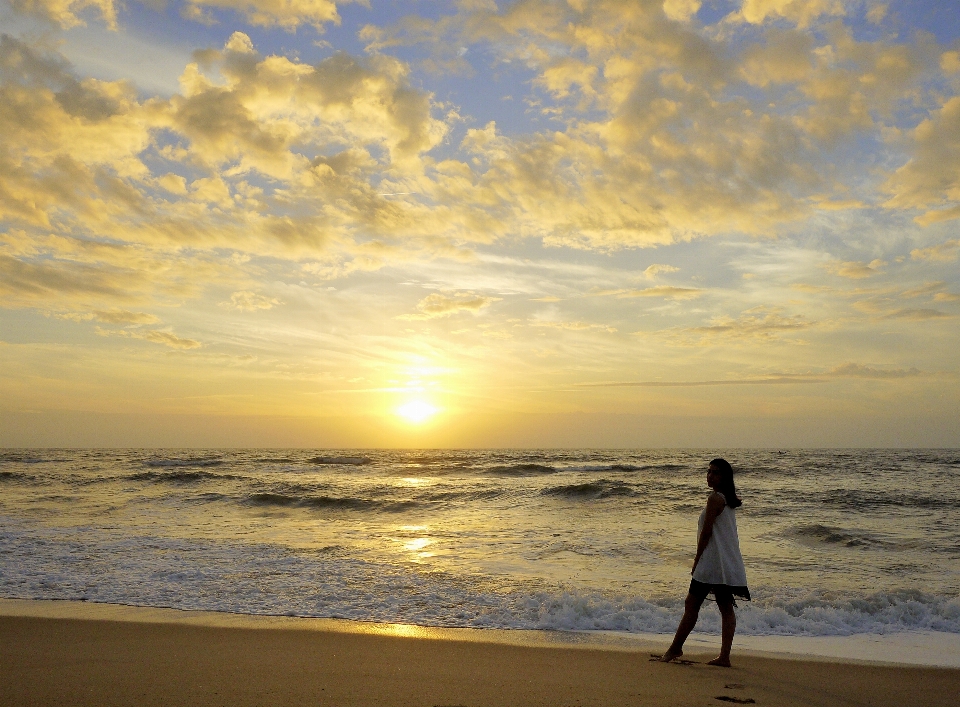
<point x="721" y="562"/>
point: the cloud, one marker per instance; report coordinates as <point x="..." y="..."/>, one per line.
<point x="855" y="270"/>
<point x="681" y="10"/>
<point x="800" y="12"/>
<point x="156" y="336"/>
<point x="113" y="316"/>
<point x="65" y="13"/>
<point x="436" y="305"/>
<point x="847" y="370"/>
<point x="28" y="281"/>
<point x="758" y="324"/>
<point x="656" y="269"/>
<point x="917" y="315"/>
<point x="662" y="132"/>
<point x="247" y="301"/>
<point x="288" y="14"/>
<point x="945" y="252"/>
<point x="856" y="370"/>
<point x="930" y="181"/>
<point x="665" y="291"/>
<point x="925" y="290"/>
<point x="572" y="325"/>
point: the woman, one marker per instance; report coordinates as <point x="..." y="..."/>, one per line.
<point x="718" y="567"/>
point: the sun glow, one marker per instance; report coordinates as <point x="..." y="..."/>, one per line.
<point x="416" y="411"/>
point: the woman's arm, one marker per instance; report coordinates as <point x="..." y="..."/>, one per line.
<point x="715" y="506"/>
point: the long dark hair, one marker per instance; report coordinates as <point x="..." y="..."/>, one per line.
<point x="726" y="486"/>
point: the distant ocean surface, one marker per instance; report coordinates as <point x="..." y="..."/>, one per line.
<point x="836" y="542"/>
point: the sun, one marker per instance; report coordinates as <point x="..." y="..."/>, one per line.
<point x="416" y="411"/>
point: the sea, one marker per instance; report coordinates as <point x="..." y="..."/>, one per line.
<point x="836" y="542"/>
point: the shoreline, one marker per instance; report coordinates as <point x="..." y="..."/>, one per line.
<point x="919" y="649"/>
<point x="111" y="656"/>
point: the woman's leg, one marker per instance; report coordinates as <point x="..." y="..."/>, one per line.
<point x="729" y="626"/>
<point x="691" y="610"/>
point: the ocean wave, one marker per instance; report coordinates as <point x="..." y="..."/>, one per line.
<point x="179" y="476"/>
<point x="470" y="495"/>
<point x="15" y="475"/>
<point x="607" y="467"/>
<point x="181" y="463"/>
<point x="602" y="488"/>
<point x="831" y="535"/>
<point x="331" y="502"/>
<point x="267" y="579"/>
<point x="341" y="461"/>
<point x="856" y="499"/>
<point x="17" y="458"/>
<point x="525" y="469"/>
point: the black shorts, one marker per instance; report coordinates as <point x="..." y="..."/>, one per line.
<point x="724" y="593"/>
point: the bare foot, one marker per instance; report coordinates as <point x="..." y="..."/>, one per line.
<point x="671" y="654"/>
<point x="721" y="661"/>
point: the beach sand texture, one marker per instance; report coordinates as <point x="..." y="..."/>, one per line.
<point x="81" y="661"/>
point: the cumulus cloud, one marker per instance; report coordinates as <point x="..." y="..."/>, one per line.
<point x="668" y="133"/>
<point x="247" y="301"/>
<point x="288" y="14"/>
<point x="930" y="181"/>
<point x="66" y="13"/>
<point x="436" y="305"/>
<point x="800" y="12"/>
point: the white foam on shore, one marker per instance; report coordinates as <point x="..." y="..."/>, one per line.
<point x="917" y="648"/>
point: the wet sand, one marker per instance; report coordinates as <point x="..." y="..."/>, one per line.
<point x="141" y="657"/>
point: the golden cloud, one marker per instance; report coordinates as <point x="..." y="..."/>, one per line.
<point x="801" y="12"/>
<point x="930" y="181"/>
<point x="247" y="301"/>
<point x="855" y="270"/>
<point x="945" y="252"/>
<point x="437" y="305"/>
<point x="666" y="291"/>
<point x="288" y="14"/>
<point x="156" y="336"/>
<point x="66" y="12"/>
<point x="917" y="315"/>
<point x="764" y="324"/>
<point x="112" y="316"/>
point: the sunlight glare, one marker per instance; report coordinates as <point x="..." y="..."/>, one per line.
<point x="416" y="411"/>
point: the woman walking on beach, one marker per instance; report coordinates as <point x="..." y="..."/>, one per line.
<point x="718" y="566"/>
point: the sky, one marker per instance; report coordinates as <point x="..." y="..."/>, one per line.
<point x="544" y="223"/>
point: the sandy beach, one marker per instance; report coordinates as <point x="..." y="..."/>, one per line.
<point x="76" y="654"/>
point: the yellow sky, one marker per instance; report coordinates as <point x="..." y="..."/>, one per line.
<point x="541" y="223"/>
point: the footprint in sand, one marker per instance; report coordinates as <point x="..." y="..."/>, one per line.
<point x="655" y="658"/>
